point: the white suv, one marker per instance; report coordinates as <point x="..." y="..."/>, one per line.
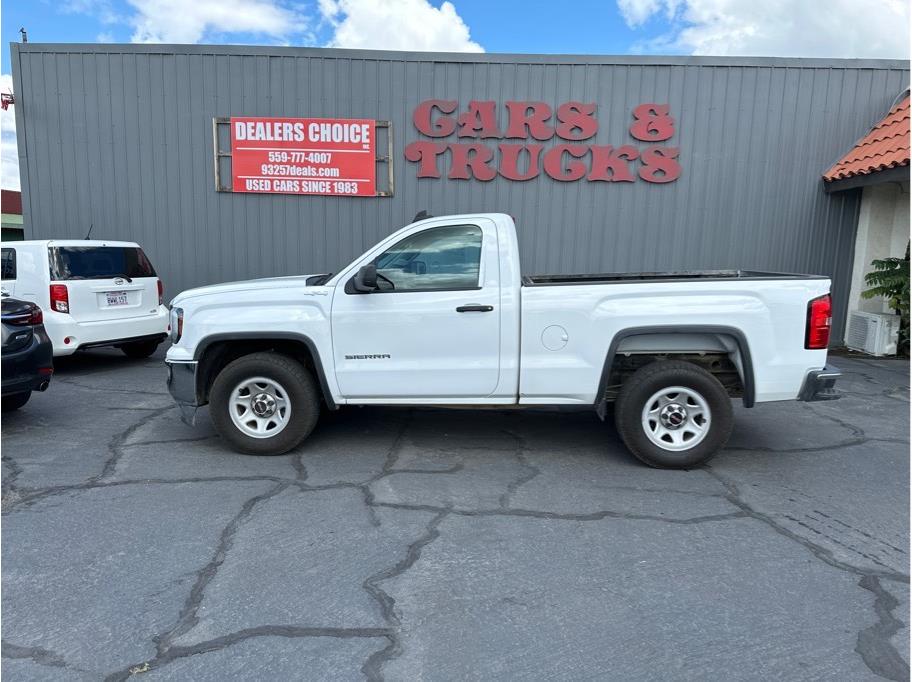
<point x="93" y="293"/>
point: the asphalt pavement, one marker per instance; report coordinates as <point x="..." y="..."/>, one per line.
<point x="451" y="545"/>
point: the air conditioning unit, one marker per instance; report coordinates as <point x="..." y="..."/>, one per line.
<point x="873" y="333"/>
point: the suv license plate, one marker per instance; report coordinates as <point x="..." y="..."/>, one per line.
<point x="117" y="297"/>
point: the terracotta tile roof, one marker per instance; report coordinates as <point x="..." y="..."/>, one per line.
<point x="886" y="146"/>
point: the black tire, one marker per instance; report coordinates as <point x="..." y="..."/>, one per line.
<point x="643" y="384"/>
<point x="293" y="378"/>
<point x="139" y="350"/>
<point x="15" y="401"/>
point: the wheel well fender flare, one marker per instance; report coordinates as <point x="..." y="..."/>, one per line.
<point x="735" y="333"/>
<point x="208" y="341"/>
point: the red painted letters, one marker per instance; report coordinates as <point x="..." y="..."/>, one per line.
<point x="480" y="120"/>
<point x="509" y="161"/>
<point x="423" y="117"/>
<point x="652" y="123"/>
<point x="659" y="164"/>
<point x="474" y="157"/>
<point x="612" y="165"/>
<point x="577" y="121"/>
<point x="534" y="122"/>
<point x="572" y="170"/>
<point x="529" y="118"/>
<point x="425" y="153"/>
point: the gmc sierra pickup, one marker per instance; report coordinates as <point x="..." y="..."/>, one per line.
<point x="439" y="314"/>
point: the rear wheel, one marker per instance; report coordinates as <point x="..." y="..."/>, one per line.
<point x="15" y="401"/>
<point x="264" y="403"/>
<point x="139" y="350"/>
<point x="673" y="414"/>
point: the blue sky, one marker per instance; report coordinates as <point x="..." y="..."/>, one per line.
<point x="776" y="28"/>
<point x="768" y="27"/>
<point x="531" y="28"/>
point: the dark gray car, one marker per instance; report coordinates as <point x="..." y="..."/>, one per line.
<point x="27" y="353"/>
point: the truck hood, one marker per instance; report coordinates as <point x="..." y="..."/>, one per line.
<point x="292" y="281"/>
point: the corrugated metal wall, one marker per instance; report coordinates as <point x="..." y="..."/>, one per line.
<point x="121" y="136"/>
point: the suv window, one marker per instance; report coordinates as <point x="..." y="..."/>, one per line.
<point x="438" y="258"/>
<point x="9" y="264"/>
<point x="98" y="262"/>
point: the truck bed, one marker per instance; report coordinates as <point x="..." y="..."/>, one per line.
<point x="690" y="275"/>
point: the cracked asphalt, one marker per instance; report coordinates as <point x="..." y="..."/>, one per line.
<point x="428" y="544"/>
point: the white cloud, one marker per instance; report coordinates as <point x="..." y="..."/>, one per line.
<point x="374" y="24"/>
<point x="178" y="21"/>
<point x="414" y="25"/>
<point x="9" y="155"/>
<point x="103" y="10"/>
<point x="776" y="28"/>
<point x="638" y="12"/>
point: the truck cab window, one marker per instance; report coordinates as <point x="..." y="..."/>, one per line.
<point x="9" y="263"/>
<point x="438" y="258"/>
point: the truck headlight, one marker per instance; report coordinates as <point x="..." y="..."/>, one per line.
<point x="177" y="324"/>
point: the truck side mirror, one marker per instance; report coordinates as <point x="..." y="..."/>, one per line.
<point x="366" y="279"/>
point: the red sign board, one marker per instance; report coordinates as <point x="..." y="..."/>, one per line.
<point x="331" y="156"/>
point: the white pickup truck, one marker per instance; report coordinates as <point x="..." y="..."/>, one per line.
<point x="439" y="314"/>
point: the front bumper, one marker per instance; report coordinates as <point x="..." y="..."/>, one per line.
<point x="820" y="384"/>
<point x="182" y="386"/>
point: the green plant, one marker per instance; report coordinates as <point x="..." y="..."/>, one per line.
<point x="890" y="279"/>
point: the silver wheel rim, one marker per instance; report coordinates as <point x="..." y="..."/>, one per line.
<point x="260" y="407"/>
<point x="676" y="418"/>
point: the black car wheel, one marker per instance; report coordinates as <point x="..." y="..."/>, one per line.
<point x="15" y="401"/>
<point x="264" y="403"/>
<point x="139" y="350"/>
<point x="673" y="414"/>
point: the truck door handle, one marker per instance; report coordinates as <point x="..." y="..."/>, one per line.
<point x="474" y="308"/>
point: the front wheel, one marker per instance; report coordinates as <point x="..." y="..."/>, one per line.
<point x="264" y="403"/>
<point x="673" y="414"/>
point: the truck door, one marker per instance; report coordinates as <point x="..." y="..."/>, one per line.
<point x="432" y="328"/>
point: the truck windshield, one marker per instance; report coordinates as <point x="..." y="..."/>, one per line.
<point x="98" y="262"/>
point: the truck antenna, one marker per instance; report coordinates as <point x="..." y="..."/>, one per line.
<point x="90" y="230"/>
<point x="422" y="215"/>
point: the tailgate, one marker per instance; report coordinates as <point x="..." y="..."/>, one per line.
<point x="104" y="282"/>
<point x="112" y="299"/>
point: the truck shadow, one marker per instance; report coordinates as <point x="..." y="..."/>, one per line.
<point x="96" y="360"/>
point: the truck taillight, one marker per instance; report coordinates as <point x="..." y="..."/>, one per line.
<point x="60" y="298"/>
<point x="161" y="292"/>
<point x="819" y="318"/>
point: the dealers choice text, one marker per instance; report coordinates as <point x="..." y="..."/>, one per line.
<point x="297" y="131"/>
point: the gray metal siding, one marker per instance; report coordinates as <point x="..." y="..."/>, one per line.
<point x="120" y="136"/>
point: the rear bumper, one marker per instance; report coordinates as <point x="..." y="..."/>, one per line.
<point x="182" y="386"/>
<point x="820" y="384"/>
<point x="30" y="368"/>
<point x="122" y="342"/>
<point x="102" y="333"/>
